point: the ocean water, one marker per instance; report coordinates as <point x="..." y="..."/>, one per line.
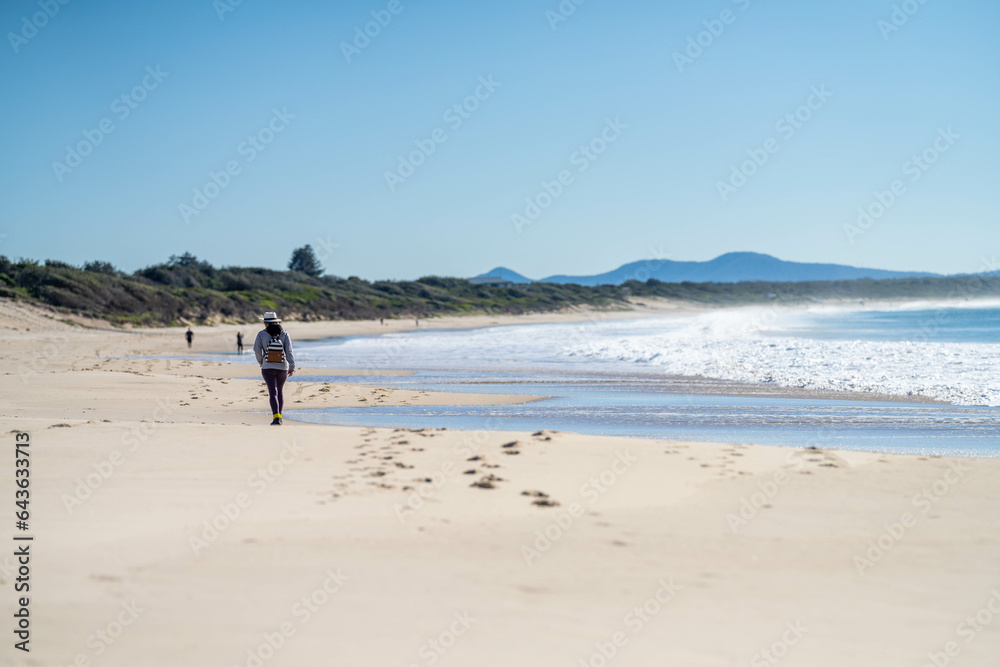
<point x="948" y="354"/>
<point x="917" y="323"/>
<point x="666" y="408"/>
<point x="674" y="377"/>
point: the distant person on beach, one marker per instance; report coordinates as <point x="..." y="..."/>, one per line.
<point x="273" y="349"/>
<point x="239" y="342"/>
<point x="190" y="336"/>
<point x="416" y="322"/>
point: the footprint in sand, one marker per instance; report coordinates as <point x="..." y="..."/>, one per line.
<point x="510" y="448"/>
<point x="487" y="482"/>
<point x="541" y="499"/>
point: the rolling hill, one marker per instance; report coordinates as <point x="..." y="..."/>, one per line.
<point x="729" y="268"/>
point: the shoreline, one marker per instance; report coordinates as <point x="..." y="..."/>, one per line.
<point x="696" y="384"/>
<point x="213" y="340"/>
<point x="218" y="524"/>
<point x="638" y="308"/>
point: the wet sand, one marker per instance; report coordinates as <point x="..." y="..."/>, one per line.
<point x="174" y="527"/>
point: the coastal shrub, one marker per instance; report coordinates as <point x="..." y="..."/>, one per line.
<point x="106" y="268"/>
<point x="188" y="289"/>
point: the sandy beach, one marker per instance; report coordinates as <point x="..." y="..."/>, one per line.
<point x="172" y="526"/>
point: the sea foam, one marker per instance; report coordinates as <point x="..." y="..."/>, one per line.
<point x="747" y="346"/>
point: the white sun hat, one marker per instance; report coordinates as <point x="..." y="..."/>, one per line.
<point x="270" y="316"/>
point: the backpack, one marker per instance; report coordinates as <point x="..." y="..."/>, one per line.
<point x="275" y="351"/>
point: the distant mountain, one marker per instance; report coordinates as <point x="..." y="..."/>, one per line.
<point x="506" y="274"/>
<point x="729" y="268"/>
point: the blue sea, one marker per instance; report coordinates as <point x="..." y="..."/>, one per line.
<point x="907" y="380"/>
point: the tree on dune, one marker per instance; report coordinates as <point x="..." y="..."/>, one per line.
<point x="304" y="260"/>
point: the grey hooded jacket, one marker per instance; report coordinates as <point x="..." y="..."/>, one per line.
<point x="260" y="347"/>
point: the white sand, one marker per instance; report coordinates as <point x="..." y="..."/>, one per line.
<point x="178" y="447"/>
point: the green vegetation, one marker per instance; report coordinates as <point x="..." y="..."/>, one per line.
<point x="185" y="289"/>
<point x="304" y="261"/>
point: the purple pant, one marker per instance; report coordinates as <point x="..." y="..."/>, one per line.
<point x="275" y="380"/>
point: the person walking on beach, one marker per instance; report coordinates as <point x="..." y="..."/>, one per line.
<point x="273" y="349"/>
<point x="190" y="336"/>
<point x="239" y="342"/>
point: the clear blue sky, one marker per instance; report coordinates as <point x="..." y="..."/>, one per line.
<point x="653" y="192"/>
